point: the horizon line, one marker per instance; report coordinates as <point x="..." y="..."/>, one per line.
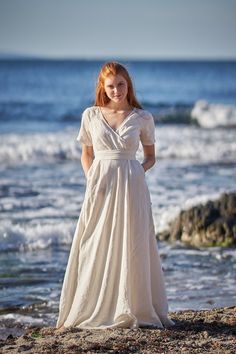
<point x="12" y="56"/>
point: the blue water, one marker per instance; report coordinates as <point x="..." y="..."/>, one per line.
<point x="42" y="183"/>
<point x="57" y="91"/>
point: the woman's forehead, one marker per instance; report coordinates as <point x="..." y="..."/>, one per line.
<point x="114" y="78"/>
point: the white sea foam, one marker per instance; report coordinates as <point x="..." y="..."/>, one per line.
<point x="194" y="143"/>
<point x="38" y="147"/>
<point x="40" y="235"/>
<point x="172" y="142"/>
<point x="30" y="237"/>
<point x="210" y="115"/>
<point x="23" y="319"/>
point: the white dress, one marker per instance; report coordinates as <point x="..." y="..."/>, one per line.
<point x="114" y="276"/>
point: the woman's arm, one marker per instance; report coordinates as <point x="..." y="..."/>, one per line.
<point x="149" y="156"/>
<point x="87" y="157"/>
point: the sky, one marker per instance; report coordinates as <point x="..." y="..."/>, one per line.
<point x="134" y="29"/>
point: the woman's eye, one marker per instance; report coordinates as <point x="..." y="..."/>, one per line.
<point x="111" y="86"/>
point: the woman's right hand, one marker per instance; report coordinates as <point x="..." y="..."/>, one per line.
<point x="87" y="157"/>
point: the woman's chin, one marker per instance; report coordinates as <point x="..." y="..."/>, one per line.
<point x="118" y="99"/>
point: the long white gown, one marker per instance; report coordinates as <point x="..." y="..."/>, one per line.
<point x="114" y="276"/>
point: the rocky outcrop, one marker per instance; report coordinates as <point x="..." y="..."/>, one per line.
<point x="210" y="224"/>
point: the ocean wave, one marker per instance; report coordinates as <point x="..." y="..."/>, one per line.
<point x="38" y="147"/>
<point x="36" y="111"/>
<point x="210" y="115"/>
<point x="31" y="237"/>
<point x="42" y="235"/>
<point x="169" y="113"/>
<point x="201" y="113"/>
<point x="42" y="112"/>
<point x="172" y="142"/>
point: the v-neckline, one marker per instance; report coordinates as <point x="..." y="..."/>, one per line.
<point x="106" y="122"/>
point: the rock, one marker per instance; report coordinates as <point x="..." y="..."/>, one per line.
<point x="210" y="224"/>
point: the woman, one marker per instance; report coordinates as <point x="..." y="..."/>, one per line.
<point x="114" y="276"/>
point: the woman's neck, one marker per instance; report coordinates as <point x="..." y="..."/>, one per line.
<point x="122" y="106"/>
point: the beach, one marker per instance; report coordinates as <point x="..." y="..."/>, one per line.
<point x="42" y="183"/>
<point x="208" y="331"/>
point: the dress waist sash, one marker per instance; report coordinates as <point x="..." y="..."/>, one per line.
<point x="114" y="155"/>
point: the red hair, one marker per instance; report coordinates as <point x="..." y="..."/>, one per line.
<point x="114" y="68"/>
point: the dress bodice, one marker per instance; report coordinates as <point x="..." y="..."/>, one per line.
<point x="137" y="126"/>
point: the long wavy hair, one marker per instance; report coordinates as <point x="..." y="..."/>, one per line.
<point x="114" y="68"/>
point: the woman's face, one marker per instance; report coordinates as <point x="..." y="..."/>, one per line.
<point x="116" y="87"/>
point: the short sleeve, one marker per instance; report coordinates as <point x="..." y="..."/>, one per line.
<point x="84" y="135"/>
<point x="147" y="131"/>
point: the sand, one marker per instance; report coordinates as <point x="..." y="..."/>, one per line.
<point x="205" y="331"/>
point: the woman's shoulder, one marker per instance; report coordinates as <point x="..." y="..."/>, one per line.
<point x="90" y="109"/>
<point x="143" y="113"/>
<point x="88" y="112"/>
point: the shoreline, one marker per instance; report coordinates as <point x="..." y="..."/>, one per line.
<point x="195" y="331"/>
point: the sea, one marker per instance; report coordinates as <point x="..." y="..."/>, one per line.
<point x="42" y="183"/>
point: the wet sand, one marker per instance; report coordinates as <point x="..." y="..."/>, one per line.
<point x="205" y="331"/>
